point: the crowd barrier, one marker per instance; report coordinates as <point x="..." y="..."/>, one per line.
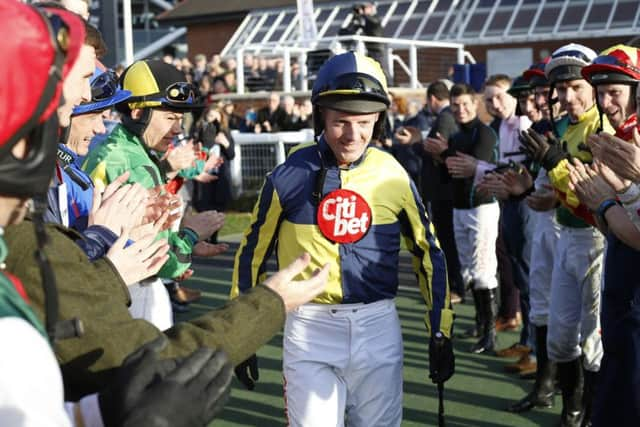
<point x="257" y="154"/>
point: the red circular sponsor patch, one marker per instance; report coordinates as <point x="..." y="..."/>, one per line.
<point x="344" y="216"/>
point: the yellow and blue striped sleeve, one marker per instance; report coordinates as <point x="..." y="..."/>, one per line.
<point x="258" y="242"/>
<point x="428" y="263"/>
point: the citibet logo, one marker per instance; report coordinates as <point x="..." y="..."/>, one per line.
<point x="344" y="216"/>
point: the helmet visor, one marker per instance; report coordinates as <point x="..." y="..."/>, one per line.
<point x="355" y="84"/>
<point x="612" y="60"/>
<point x="104" y="86"/>
<point x="179" y="95"/>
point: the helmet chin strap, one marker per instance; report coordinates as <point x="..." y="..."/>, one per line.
<point x="137" y="126"/>
<point x="64" y="134"/>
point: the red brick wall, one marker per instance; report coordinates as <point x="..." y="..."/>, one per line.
<point x="210" y="38"/>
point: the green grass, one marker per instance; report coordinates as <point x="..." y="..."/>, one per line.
<point x="476" y="396"/>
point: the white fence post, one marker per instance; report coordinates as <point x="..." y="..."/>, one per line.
<point x="302" y="62"/>
<point x="240" y="71"/>
<point x="280" y="154"/>
<point x="413" y="66"/>
<point x="286" y="72"/>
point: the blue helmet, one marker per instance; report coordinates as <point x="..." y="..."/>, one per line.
<point x="352" y="83"/>
<point x="105" y="93"/>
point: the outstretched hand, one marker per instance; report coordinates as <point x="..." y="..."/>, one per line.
<point x="295" y="293"/>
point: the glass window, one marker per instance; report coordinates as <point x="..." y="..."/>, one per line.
<point x="475" y="25"/>
<point x="499" y="22"/>
<point x="451" y="27"/>
<point x="270" y="20"/>
<point x="322" y="17"/>
<point x="259" y="35"/>
<point x="443" y="6"/>
<point x="382" y="9"/>
<point x="275" y="36"/>
<point x="431" y="27"/>
<point x="391" y="27"/>
<point x="625" y="14"/>
<point x="598" y="17"/>
<point x="401" y="9"/>
<point x="242" y="38"/>
<point x="332" y="30"/>
<point x="421" y="8"/>
<point x="548" y="18"/>
<point x="410" y="27"/>
<point x="572" y="17"/>
<point x="523" y="20"/>
<point x="342" y="13"/>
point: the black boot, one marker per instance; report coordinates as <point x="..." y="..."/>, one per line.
<point x="473" y="331"/>
<point x="488" y="312"/>
<point x="571" y="378"/>
<point x="590" y="380"/>
<point x="543" y="390"/>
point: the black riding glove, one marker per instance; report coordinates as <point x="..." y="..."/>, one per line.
<point x="247" y="372"/>
<point x="175" y="392"/>
<point x="545" y="150"/>
<point x="442" y="362"/>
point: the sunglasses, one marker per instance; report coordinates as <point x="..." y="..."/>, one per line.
<point x="104" y="86"/>
<point x="354" y="81"/>
<point x="612" y="60"/>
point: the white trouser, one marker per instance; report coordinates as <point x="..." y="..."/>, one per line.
<point x="543" y="252"/>
<point x="150" y="301"/>
<point x="476" y="231"/>
<point x="574" y="313"/>
<point x="343" y="365"/>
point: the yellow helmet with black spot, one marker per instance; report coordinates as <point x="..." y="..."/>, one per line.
<point x="156" y="84"/>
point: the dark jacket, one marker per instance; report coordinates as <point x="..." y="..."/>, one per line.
<point x="436" y="182"/>
<point x="95" y="293"/>
<point x="276" y="118"/>
<point x="405" y="153"/>
<point x="214" y="195"/>
<point x="478" y="140"/>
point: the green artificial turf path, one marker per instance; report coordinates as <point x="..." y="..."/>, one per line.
<point x="476" y="396"/>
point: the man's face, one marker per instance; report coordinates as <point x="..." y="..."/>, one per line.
<point x="288" y="104"/>
<point x="464" y="108"/>
<point x="348" y="134"/>
<point x="75" y="88"/>
<point x="542" y="100"/>
<point x="499" y="102"/>
<point x="163" y="127"/>
<point x="527" y="104"/>
<point x="616" y="101"/>
<point x="575" y="96"/>
<point x="274" y="102"/>
<point x="432" y="104"/>
<point x="83" y="128"/>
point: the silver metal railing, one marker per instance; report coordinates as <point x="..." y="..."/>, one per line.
<point x="257" y="154"/>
